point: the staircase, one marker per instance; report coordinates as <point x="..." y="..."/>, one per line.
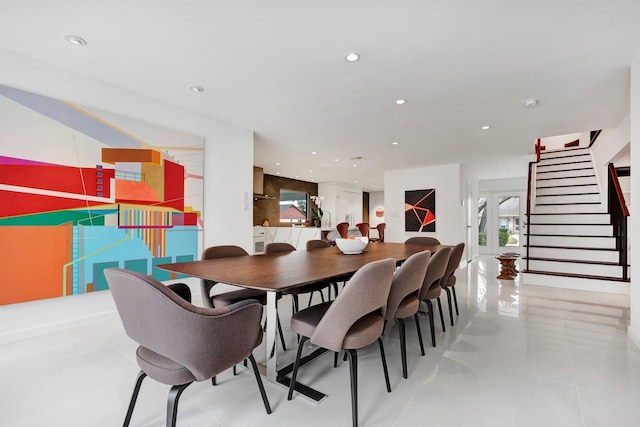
<point x="571" y="241"/>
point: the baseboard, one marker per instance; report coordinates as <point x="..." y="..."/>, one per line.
<point x="580" y="284"/>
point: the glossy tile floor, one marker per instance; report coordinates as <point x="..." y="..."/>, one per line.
<point x="518" y="356"/>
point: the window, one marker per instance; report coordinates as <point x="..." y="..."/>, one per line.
<point x="293" y="206"/>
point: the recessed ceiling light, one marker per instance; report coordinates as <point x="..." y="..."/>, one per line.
<point x="336" y="160"/>
<point x="75" y="40"/>
<point x="372" y="185"/>
<point x="401" y="101"/>
<point x="314" y="152"/>
<point x="197" y="88"/>
<point x="352" y="57"/>
<point x="395" y="143"/>
<point x="297" y="176"/>
<point x="277" y="173"/>
<point x="355" y="166"/>
<point x="486" y="127"/>
<point x="531" y="102"/>
<point x="355" y="182"/>
<point x="277" y="163"/>
<point x="310" y="171"/>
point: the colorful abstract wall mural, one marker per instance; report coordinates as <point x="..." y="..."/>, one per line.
<point x="82" y="190"/>
<point x="420" y="210"/>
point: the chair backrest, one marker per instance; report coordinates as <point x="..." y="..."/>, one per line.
<point x="276" y="247"/>
<point x="342" y="228"/>
<point x="427" y="241"/>
<point x="407" y="282"/>
<point x="381" y="228"/>
<point x="224" y="251"/>
<point x="449" y="279"/>
<point x="365" y="295"/>
<point x="363" y="228"/>
<point x="435" y="271"/>
<point x="206" y="341"/>
<point x="316" y="244"/>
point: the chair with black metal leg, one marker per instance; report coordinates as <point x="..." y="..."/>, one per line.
<point x="449" y="279"/>
<point x="403" y="299"/>
<point x="180" y="343"/>
<point x="423" y="240"/>
<point x="431" y="289"/>
<point x="355" y="319"/>
<point x="225" y="299"/>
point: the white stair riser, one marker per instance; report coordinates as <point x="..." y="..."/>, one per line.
<point x="564" y="174"/>
<point x="567" y="190"/>
<point x="577" y="158"/>
<point x="563" y="166"/>
<point x="583" y="242"/>
<point x="593" y="208"/>
<point x="576" y="268"/>
<point x="574" y="198"/>
<point x="563" y="153"/>
<point x="582" y="255"/>
<point x="571" y="230"/>
<point x="571" y="219"/>
<point x="566" y="181"/>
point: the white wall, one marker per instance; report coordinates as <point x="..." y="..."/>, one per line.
<point x="557" y="142"/>
<point x="604" y="150"/>
<point x="228" y="164"/>
<point x="634" y="329"/>
<point x="450" y="212"/>
<point x="376" y="201"/>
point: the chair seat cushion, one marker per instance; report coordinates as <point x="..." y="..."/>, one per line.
<point x="305" y="321"/>
<point x="362" y="333"/>
<point x="162" y="369"/>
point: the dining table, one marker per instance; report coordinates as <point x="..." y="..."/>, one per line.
<point x="278" y="272"/>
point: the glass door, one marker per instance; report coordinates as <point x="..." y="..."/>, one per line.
<point x="501" y="225"/>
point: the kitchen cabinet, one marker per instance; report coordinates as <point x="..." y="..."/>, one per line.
<point x="342" y="203"/>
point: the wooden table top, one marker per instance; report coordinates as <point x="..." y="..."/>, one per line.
<point x="282" y="271"/>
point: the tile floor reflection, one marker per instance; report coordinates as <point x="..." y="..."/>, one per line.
<point x="518" y="356"/>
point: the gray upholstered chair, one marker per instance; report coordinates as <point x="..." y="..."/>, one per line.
<point x="179" y="342"/>
<point x="403" y="299"/>
<point x="231" y="297"/>
<point x="355" y="319"/>
<point x="278" y="247"/>
<point x="449" y="279"/>
<point x="431" y="288"/>
<point x="423" y="240"/>
<point x="380" y="227"/>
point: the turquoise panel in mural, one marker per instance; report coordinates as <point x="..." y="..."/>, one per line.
<point x="100" y="283"/>
<point x="137" y="265"/>
<point x="158" y="273"/>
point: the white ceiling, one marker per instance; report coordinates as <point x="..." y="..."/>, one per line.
<point x="277" y="67"/>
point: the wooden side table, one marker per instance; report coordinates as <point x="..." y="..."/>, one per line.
<point x="507" y="267"/>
